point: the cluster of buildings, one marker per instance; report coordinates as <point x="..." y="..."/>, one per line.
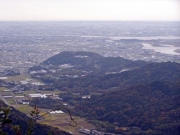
<point x="122" y="130"/>
<point x="90" y="132"/>
<point x="56" y="112"/>
<point x="22" y="99"/>
<point x="39" y="95"/>
<point x="16" y="91"/>
<point x="20" y="56"/>
<point x="93" y="132"/>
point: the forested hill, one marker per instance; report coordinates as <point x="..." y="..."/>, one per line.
<point x="167" y="71"/>
<point x="153" y="107"/>
<point x="92" y="61"/>
<point x="124" y="93"/>
<point x="19" y="118"/>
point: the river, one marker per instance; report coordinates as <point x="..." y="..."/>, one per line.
<point x="165" y="49"/>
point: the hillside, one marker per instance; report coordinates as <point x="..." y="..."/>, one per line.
<point x="142" y="96"/>
<point x="73" y="58"/>
<point x="90" y="61"/>
<point x="167" y="71"/>
<point x="151" y="106"/>
<point x="19" y="118"/>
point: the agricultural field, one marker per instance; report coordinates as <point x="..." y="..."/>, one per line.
<point x="48" y="92"/>
<point x="25" y="109"/>
<point x="10" y="101"/>
<point x="17" y="78"/>
<point x="2" y="88"/>
<point x="60" y="121"/>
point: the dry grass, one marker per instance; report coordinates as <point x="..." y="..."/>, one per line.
<point x="10" y="101"/>
<point x="24" y="108"/>
<point x="60" y="121"/>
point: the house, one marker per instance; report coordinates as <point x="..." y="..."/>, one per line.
<point x="19" y="101"/>
<point x="54" y="96"/>
<point x="85" y="97"/>
<point x="37" y="83"/>
<point x="7" y="90"/>
<point x="24" y="82"/>
<point x="95" y="132"/>
<point x="84" y="131"/>
<point x="25" y="102"/>
<point x="17" y="91"/>
<point x="22" y="101"/>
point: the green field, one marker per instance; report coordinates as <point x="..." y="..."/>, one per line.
<point x="18" y="94"/>
<point x="25" y="109"/>
<point x="30" y="91"/>
<point x="17" y="78"/>
<point x="47" y="92"/>
<point x="2" y="88"/>
<point x="5" y="92"/>
<point x="10" y="101"/>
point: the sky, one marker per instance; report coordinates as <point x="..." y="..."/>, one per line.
<point x="89" y="10"/>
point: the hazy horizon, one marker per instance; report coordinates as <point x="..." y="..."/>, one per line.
<point x="86" y="21"/>
<point x="86" y="10"/>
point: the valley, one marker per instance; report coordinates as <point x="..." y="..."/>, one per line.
<point x="131" y="97"/>
<point x="93" y="78"/>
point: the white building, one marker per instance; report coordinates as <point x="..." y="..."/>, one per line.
<point x="38" y="95"/>
<point x="55" y="112"/>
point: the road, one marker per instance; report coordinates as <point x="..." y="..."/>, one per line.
<point x="4" y="100"/>
<point x="14" y="99"/>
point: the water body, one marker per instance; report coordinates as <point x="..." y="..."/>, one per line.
<point x="140" y="38"/>
<point x="146" y="38"/>
<point x="165" y="49"/>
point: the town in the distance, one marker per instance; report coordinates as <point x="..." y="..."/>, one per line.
<point x="76" y="65"/>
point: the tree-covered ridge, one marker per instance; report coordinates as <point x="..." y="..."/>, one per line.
<point x="167" y="71"/>
<point x="74" y="58"/>
<point x="154" y="106"/>
<point x="92" y="61"/>
<point x="21" y="119"/>
<point x="146" y="95"/>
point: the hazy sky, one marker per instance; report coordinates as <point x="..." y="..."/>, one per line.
<point x="60" y="10"/>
